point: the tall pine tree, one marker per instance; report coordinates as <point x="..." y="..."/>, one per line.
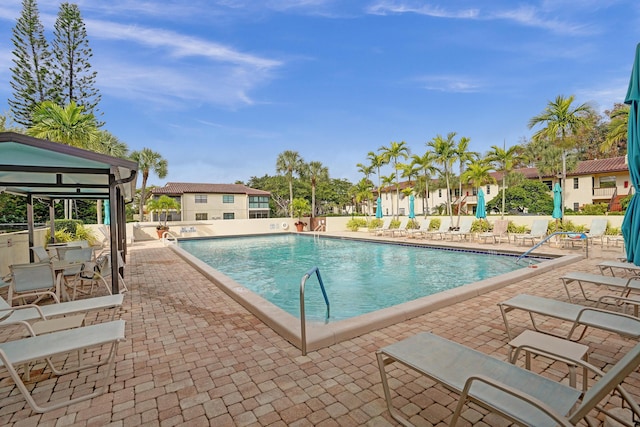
<point x="72" y="73"/>
<point x="30" y="75"/>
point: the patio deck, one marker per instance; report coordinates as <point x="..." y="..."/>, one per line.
<point x="193" y="356"/>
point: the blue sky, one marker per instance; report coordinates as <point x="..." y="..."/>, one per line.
<point x="221" y="87"/>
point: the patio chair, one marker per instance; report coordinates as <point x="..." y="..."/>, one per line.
<point x="100" y="271"/>
<point x="519" y="395"/>
<point x="625" y="285"/>
<point x="43" y="347"/>
<point x="538" y="231"/>
<point x="41" y="253"/>
<point x="82" y="259"/>
<point x="441" y="231"/>
<point x="499" y="231"/>
<point x="420" y="231"/>
<point x="629" y="267"/>
<point x="464" y="230"/>
<point x="578" y="315"/>
<point x="32" y="280"/>
<point x="386" y="223"/>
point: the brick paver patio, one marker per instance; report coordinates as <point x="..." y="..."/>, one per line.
<point x="193" y="356"/>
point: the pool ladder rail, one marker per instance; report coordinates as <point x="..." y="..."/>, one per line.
<point x="303" y="324"/>
<point x="169" y="238"/>
<point x="557" y="233"/>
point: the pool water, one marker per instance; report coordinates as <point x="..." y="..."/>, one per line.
<point x="359" y="276"/>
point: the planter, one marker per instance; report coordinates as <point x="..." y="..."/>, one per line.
<point x="161" y="231"/>
<point x="299" y="226"/>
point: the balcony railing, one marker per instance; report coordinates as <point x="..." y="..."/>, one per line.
<point x="604" y="192"/>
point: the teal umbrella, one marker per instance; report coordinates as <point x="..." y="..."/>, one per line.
<point x="107" y="213"/>
<point x="379" y="208"/>
<point x="412" y="213"/>
<point x="631" y="221"/>
<point x="557" y="201"/>
<point x="481" y="209"/>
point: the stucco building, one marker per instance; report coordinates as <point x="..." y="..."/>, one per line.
<point x="202" y="202"/>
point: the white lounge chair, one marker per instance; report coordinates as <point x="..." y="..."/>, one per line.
<point x="31" y="312"/>
<point x="420" y="231"/>
<point x="625" y="285"/>
<point x="499" y="232"/>
<point x="386" y="223"/>
<point x="400" y="231"/>
<point x="517" y="394"/>
<point x="629" y="267"/>
<point x="464" y="230"/>
<point x="578" y="315"/>
<point x="43" y="347"/>
<point x="442" y="230"/>
<point x="538" y="231"/>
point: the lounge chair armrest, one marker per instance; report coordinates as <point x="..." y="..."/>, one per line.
<point x="530" y="400"/>
<point x="603" y="311"/>
<point x="24" y="307"/>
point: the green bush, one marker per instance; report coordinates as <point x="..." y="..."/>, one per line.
<point x="613" y="231"/>
<point x="435" y="223"/>
<point x="355" y="223"/>
<point x="375" y="223"/>
<point x="517" y="229"/>
<point x="595" y="209"/>
<point x="63" y="234"/>
<point x="480" y="226"/>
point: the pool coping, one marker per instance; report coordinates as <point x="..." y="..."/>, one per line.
<point x="324" y="335"/>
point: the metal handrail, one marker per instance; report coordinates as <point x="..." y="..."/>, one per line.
<point x="582" y="236"/>
<point x="303" y="324"/>
<point x="168" y="238"/>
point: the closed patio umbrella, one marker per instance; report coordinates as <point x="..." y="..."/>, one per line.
<point x="481" y="209"/>
<point x="631" y="221"/>
<point x="557" y="203"/>
<point x="379" y="208"/>
<point x="412" y="213"/>
<point x="107" y="213"/>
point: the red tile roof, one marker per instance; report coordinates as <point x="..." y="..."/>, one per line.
<point x="174" y="188"/>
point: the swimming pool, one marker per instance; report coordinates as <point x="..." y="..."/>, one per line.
<point x="359" y="276"/>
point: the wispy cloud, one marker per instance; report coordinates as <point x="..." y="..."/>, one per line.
<point x="456" y="84"/>
<point x="393" y="7"/>
<point x="529" y="15"/>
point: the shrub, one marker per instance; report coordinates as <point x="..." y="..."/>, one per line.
<point x="595" y="209"/>
<point x="63" y="235"/>
<point x="375" y="223"/>
<point x="517" y="229"/>
<point x="613" y="231"/>
<point x="355" y="223"/>
<point x="480" y="226"/>
<point x="435" y="224"/>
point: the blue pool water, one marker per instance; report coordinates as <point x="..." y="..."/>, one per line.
<point x="360" y="277"/>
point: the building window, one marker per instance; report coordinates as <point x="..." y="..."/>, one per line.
<point x="440" y="192"/>
<point x="488" y="189"/>
<point x="548" y="184"/>
<point x="227" y="198"/>
<point x="201" y="217"/>
<point x="259" y="202"/>
<point x="201" y="198"/>
<point x="576" y="207"/>
<point x="607" y="181"/>
<point x="474" y="192"/>
<point x="259" y="214"/>
<point x="575" y="183"/>
<point x="228" y="215"/>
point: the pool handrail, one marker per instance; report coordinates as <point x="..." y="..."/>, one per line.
<point x="303" y="324"/>
<point x="581" y="235"/>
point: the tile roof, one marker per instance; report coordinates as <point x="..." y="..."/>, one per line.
<point x="189" y="187"/>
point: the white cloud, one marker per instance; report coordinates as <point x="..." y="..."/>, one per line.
<point x="457" y="84"/>
<point x="388" y="7"/>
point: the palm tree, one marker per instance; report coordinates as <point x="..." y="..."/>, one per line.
<point x="392" y="153"/>
<point x="315" y="171"/>
<point x="463" y="156"/>
<point x="561" y="121"/>
<point x="617" y="129"/>
<point x="362" y="190"/>
<point x="68" y="125"/>
<point x="367" y="170"/>
<point x="290" y="163"/>
<point x="377" y="161"/>
<point x="425" y="165"/>
<point x="148" y="161"/>
<point x="107" y="143"/>
<point x="445" y="155"/>
<point x="478" y="173"/>
<point x="387" y="181"/>
<point x="504" y="161"/>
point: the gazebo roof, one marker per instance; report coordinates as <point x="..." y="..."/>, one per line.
<point x="51" y="170"/>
